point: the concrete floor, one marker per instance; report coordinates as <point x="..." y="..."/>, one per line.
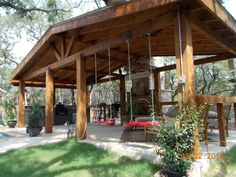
<point x="108" y="137"/>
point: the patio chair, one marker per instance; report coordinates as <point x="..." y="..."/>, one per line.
<point x="213" y="118"/>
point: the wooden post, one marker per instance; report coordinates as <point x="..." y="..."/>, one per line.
<point x="81" y="98"/>
<point x="187" y="72"/>
<point x="234" y="115"/>
<point x="178" y="63"/>
<point x="221" y="124"/>
<point x="122" y="100"/>
<point x="185" y="68"/>
<point x="49" y="94"/>
<point x="157" y="81"/>
<point x="21" y="105"/>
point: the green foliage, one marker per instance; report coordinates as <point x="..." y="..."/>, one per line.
<point x="210" y="79"/>
<point x="36" y="116"/>
<point x="9" y="110"/>
<point x="36" y="111"/>
<point x="105" y="93"/>
<point x="175" y="142"/>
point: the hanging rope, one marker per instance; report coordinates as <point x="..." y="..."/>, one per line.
<point x="130" y="82"/>
<point x="95" y="68"/>
<point x="109" y="67"/>
<point x="151" y="76"/>
<point x="96" y="81"/>
<point x="181" y="54"/>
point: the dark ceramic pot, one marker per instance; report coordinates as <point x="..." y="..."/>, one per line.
<point x="174" y="174"/>
<point x="11" y="123"/>
<point x="34" y="131"/>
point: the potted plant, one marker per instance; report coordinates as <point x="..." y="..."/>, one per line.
<point x="176" y="142"/>
<point x="35" y="121"/>
<point x="9" y="113"/>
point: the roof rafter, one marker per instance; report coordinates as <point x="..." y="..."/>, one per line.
<point x="139" y="30"/>
<point x="207" y="31"/>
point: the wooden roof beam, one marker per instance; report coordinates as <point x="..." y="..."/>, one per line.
<point x="139" y="30"/>
<point x="102" y="72"/>
<point x="217" y="10"/>
<point x="71" y="43"/>
<point x="207" y="31"/>
<point x="42" y="84"/>
<point x="97" y="16"/>
<point x="122" y="22"/>
<point x="55" y="51"/>
<point x="112" y="79"/>
<point x="59" y="64"/>
<point x="216" y="58"/>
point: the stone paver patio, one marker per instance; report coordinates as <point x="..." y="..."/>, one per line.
<point x="108" y="137"/>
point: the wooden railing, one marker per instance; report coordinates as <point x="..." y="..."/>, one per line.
<point x="219" y="101"/>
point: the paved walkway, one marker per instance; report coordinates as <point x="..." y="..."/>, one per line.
<point x="108" y="137"/>
<point x="19" y="138"/>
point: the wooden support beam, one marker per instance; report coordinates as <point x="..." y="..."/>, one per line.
<point x="157" y="81"/>
<point x="221" y="124"/>
<point x="21" y="105"/>
<point x="178" y="63"/>
<point x="188" y="63"/>
<point x="215" y="99"/>
<point x="59" y="64"/>
<point x="122" y="100"/>
<point x="49" y="93"/>
<point x="218" y="11"/>
<point x="71" y="43"/>
<point x="102" y="15"/>
<point x="111" y="12"/>
<point x="55" y="51"/>
<point x="114" y="68"/>
<point x="112" y="79"/>
<point x="185" y="68"/>
<point x="81" y="118"/>
<point x="139" y="30"/>
<point x="125" y="21"/>
<point x="63" y="46"/>
<point x="102" y="72"/>
<point x="206" y="60"/>
<point x="42" y="84"/>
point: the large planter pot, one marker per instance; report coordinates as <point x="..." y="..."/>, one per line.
<point x="34" y="131"/>
<point x="174" y="174"/>
<point x="11" y="123"/>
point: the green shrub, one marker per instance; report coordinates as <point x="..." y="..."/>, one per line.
<point x="176" y="140"/>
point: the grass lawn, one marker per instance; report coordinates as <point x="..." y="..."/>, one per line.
<point x="70" y="158"/>
<point x="225" y="167"/>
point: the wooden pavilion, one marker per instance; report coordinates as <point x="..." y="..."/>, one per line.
<point x="64" y="56"/>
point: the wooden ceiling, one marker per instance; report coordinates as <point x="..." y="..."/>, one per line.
<point x="213" y="33"/>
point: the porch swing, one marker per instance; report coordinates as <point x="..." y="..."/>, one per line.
<point x="143" y="123"/>
<point x="111" y="120"/>
<point x="128" y="128"/>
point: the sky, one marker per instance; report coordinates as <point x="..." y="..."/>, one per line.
<point x="20" y="52"/>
